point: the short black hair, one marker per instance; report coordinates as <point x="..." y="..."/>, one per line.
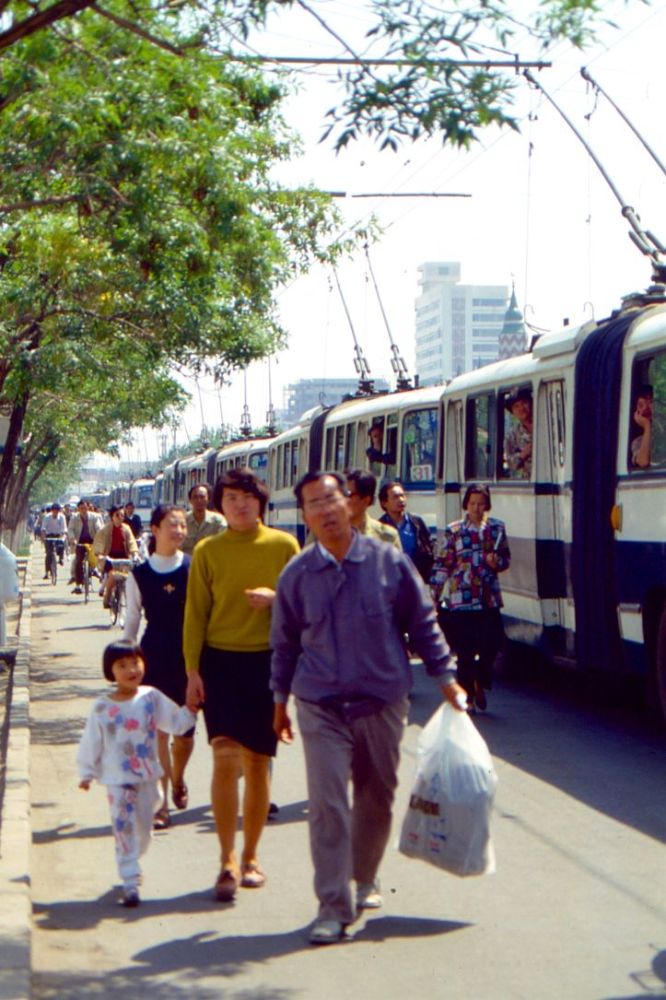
<point x="243" y="479"/>
<point x="314" y="477"/>
<point x="365" y="482"/>
<point x="156" y="518"/>
<point x="117" y="651"/>
<point x="645" y="391"/>
<point x="477" y="488"/>
<point x="521" y="392"/>
<point x="385" y="487"/>
<point x="196" y="486"/>
<point x="115" y="508"/>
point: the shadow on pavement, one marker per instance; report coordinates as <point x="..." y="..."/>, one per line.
<point x="132" y="982"/>
<point x="603" y="755"/>
<point x="56" y="732"/>
<point x="293" y="812"/>
<point x="386" y="928"/>
<point x="92" y="627"/>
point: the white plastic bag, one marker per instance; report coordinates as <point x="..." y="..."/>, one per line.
<point x="447" y="822"/>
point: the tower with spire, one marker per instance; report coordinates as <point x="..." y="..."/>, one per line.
<point x="512" y="337"/>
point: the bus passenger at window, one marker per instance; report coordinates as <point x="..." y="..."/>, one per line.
<point x="374" y="452"/>
<point x="464" y="581"/>
<point x="641" y="445"/>
<point x="361" y="488"/>
<point x="518" y="440"/>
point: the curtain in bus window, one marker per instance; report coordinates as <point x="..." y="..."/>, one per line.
<point x="294" y="462"/>
<point x="350" y="447"/>
<point x="419" y="444"/>
<point x="480" y="439"/>
<point x="328" y="460"/>
<point x="339" y="448"/>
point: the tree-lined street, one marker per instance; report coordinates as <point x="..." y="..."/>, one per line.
<point x="576" y="908"/>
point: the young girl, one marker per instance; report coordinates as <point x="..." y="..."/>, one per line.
<point x="119" y="749"/>
<point x="158" y="586"/>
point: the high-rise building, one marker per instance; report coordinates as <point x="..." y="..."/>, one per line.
<point x="457" y="326"/>
<point x="306" y="393"/>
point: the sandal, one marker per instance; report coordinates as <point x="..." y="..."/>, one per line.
<point x="252" y="876"/>
<point x="179" y="794"/>
<point x="161" y="819"/>
<point x="226" y="886"/>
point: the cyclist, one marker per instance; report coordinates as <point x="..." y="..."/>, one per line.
<point x="115" y="541"/>
<point x="81" y="530"/>
<point x="54" y="529"/>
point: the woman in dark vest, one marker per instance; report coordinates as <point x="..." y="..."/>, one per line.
<point x="158" y="587"/>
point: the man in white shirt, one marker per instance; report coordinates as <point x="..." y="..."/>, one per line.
<point x="54" y="526"/>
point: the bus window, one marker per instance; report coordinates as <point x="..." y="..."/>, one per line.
<point x="557" y="420"/>
<point x="330" y="449"/>
<point x="419" y="443"/>
<point x="382" y="446"/>
<point x="294" y="462"/>
<point x="517" y="415"/>
<point x="350" y="447"/>
<point x="339" y="460"/>
<point x="285" y="464"/>
<point x="451" y="444"/>
<point x="479" y="462"/>
<point x="258" y="463"/>
<point x="647" y="429"/>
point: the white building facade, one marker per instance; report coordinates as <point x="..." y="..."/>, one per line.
<point x="457" y="326"/>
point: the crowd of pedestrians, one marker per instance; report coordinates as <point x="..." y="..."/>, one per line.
<point x="239" y="623"/>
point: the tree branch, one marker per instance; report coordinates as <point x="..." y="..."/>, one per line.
<point x="122" y="22"/>
<point x="41" y="19"/>
<point x="22" y="206"/>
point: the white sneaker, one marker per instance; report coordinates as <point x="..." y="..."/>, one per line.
<point x="328" y="932"/>
<point x="368" y="896"/>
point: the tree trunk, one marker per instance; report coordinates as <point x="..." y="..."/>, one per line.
<point x="14" y="432"/>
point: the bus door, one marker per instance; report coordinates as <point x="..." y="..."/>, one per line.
<point x="553" y="525"/>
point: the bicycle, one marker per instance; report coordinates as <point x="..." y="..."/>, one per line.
<point x="51" y="542"/>
<point x="85" y="569"/>
<point x="118" y="600"/>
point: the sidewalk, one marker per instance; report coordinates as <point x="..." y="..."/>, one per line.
<point x="576" y="908"/>
<point x="15" y="830"/>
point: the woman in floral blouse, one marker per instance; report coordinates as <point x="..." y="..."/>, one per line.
<point x="465" y="582"/>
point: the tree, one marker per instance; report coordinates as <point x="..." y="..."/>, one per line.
<point x="420" y="97"/>
<point x="138" y="217"/>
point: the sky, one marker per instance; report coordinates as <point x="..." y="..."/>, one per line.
<point x="539" y="212"/>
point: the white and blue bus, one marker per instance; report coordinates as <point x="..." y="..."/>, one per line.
<point x="587" y="526"/>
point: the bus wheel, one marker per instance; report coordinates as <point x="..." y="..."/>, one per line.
<point x="660" y="664"/>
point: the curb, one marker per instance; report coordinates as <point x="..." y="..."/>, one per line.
<point x="15" y="833"/>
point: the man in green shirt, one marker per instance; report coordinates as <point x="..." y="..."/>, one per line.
<point x="201" y="522"/>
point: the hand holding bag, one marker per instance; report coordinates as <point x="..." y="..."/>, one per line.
<point x="447" y="822"/>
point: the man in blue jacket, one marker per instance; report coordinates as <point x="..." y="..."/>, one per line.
<point x="341" y="612"/>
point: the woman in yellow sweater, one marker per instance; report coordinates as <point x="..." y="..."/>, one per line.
<point x="230" y="591"/>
